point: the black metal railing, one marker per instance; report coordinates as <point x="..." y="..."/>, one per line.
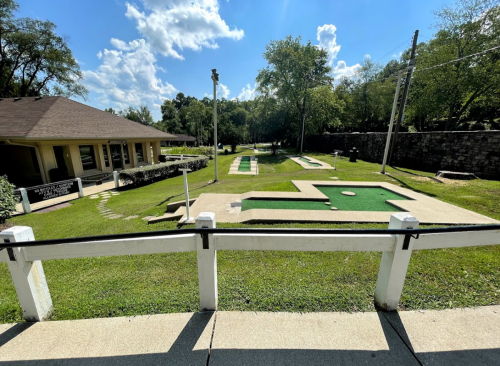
<point x="439" y="230"/>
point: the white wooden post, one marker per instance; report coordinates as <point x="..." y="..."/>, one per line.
<point x="186" y="191"/>
<point x="207" y="263"/>
<point x="28" y="277"/>
<point x="394" y="264"/>
<point x="116" y="177"/>
<point x="80" y="188"/>
<point x="335" y="167"/>
<point x="25" y="202"/>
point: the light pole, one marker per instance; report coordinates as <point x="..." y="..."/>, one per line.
<point x="309" y="77"/>
<point x="215" y="78"/>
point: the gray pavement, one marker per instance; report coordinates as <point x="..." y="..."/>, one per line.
<point x="448" y="337"/>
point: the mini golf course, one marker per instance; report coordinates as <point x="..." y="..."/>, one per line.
<point x="307" y="161"/>
<point x="244" y="164"/>
<point x="366" y="199"/>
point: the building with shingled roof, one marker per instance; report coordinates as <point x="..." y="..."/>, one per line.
<point x="48" y="139"/>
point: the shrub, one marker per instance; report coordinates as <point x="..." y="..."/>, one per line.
<point x="152" y="173"/>
<point x="7" y="199"/>
<point x="205" y="150"/>
<point x="162" y="158"/>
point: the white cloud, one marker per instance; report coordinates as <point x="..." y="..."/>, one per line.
<point x="127" y="77"/>
<point x="247" y="93"/>
<point x="342" y="70"/>
<point x="328" y="40"/>
<point x="170" y="26"/>
<point x="223" y="91"/>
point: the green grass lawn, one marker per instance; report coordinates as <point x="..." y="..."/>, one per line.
<point x="258" y="280"/>
<point x="366" y="199"/>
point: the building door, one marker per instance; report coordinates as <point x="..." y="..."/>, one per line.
<point x="61" y="162"/>
<point x="116" y="156"/>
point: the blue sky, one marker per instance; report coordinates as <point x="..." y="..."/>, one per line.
<point x="144" y="51"/>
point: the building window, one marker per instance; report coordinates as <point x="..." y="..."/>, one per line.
<point x="125" y="154"/>
<point x="105" y="154"/>
<point x="88" y="157"/>
<point x="139" y="152"/>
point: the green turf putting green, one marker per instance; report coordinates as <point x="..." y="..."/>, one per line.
<point x="245" y="164"/>
<point x="309" y="162"/>
<point x="366" y="199"/>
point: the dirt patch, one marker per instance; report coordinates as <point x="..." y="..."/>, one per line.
<point x="53" y="208"/>
<point x="454" y="182"/>
<point x="5" y="225"/>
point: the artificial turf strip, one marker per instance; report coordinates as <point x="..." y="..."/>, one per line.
<point x="366" y="199"/>
<point x="309" y="162"/>
<point x="245" y="164"/>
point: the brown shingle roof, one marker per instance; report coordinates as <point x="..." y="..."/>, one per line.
<point x="181" y="137"/>
<point x="62" y="118"/>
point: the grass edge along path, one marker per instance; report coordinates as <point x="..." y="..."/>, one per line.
<point x="257" y="280"/>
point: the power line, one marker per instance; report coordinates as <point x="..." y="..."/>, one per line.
<point x="460" y="59"/>
<point x="392" y="50"/>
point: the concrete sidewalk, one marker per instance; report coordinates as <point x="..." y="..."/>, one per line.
<point x="448" y="337"/>
<point x="87" y="191"/>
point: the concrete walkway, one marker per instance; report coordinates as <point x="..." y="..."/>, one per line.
<point x="448" y="337"/>
<point x="87" y="191"/>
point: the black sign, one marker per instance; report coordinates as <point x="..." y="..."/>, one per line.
<point x="51" y="190"/>
<point x="117" y="141"/>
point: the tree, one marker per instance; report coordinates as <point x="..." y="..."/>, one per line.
<point x="34" y="59"/>
<point x="293" y="69"/>
<point x="110" y="110"/>
<point x="468" y="28"/>
<point x="229" y="134"/>
<point x="169" y="118"/>
<point x="140" y="115"/>
<point x="195" y="115"/>
<point x="324" y="110"/>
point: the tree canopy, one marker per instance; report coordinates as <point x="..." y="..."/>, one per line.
<point x="34" y="60"/>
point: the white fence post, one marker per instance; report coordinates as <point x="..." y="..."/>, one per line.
<point x="80" y="188"/>
<point x="116" y="177"/>
<point x="28" y="277"/>
<point x="25" y="202"/>
<point x="207" y="263"/>
<point x="393" y="266"/>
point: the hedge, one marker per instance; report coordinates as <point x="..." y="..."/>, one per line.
<point x="152" y="173"/>
<point x="7" y="199"/>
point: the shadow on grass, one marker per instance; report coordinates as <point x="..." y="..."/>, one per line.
<point x="418" y="175"/>
<point x="405" y="185"/>
<point x="181" y="194"/>
<point x="271" y="159"/>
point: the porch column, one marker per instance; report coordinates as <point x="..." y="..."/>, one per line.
<point x="156" y="151"/>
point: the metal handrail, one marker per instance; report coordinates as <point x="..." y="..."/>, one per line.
<point x="450" y="229"/>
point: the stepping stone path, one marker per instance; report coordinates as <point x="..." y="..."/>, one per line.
<point x="131" y="217"/>
<point x="106" y="212"/>
<point x="347" y="193"/>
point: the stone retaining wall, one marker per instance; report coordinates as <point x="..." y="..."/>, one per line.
<point x="475" y="152"/>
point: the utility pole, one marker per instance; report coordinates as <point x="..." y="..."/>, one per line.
<point x="401" y="114"/>
<point x="389" y="134"/>
<point x="215" y="78"/>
